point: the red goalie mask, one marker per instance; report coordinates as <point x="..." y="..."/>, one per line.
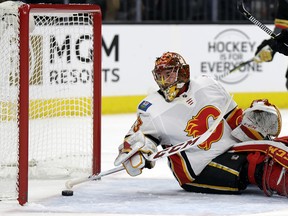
<point x="171" y="73"/>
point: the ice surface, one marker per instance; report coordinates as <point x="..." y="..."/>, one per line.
<point x="155" y="192"/>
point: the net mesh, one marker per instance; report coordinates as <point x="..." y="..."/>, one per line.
<point x="9" y="74"/>
<point x="60" y="96"/>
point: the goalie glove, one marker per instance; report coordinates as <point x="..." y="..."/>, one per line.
<point x="264" y="52"/>
<point x="260" y="120"/>
<point x="133" y="151"/>
<point x="281" y="42"/>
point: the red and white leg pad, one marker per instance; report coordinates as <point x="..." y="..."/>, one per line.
<point x="275" y="178"/>
<point x="274" y="155"/>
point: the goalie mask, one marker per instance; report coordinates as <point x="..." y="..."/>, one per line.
<point x="171" y="73"/>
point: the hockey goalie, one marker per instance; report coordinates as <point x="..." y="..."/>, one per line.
<point x="244" y="149"/>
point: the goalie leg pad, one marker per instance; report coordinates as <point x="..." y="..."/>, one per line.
<point x="273" y="149"/>
<point x="268" y="165"/>
<point x="275" y="178"/>
<point x="221" y="176"/>
<point x="255" y="165"/>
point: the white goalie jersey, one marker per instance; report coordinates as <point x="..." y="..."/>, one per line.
<point x="188" y="116"/>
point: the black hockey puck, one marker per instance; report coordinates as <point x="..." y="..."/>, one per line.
<point x="67" y="193"/>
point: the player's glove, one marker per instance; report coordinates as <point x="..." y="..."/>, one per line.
<point x="264" y="52"/>
<point x="278" y="44"/>
<point x="133" y="152"/>
<point x="281" y="42"/>
<point x="261" y="120"/>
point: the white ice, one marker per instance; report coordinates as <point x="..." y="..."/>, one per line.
<point x="154" y="192"/>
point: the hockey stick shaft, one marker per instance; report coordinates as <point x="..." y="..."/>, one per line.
<point x="242" y="10"/>
<point x="161" y="154"/>
<point x="219" y="77"/>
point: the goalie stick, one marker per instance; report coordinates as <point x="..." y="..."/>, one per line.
<point x="161" y="154"/>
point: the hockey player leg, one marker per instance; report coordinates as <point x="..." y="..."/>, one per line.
<point x="221" y="176"/>
<point x="267" y="174"/>
<point x="267" y="165"/>
<point x="275" y="178"/>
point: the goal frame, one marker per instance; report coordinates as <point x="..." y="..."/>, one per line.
<point x="23" y="111"/>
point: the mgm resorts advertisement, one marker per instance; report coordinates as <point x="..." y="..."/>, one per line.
<point x="129" y="53"/>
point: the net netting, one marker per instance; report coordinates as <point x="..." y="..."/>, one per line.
<point x="60" y="95"/>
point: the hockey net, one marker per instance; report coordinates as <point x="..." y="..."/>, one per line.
<point x="50" y="93"/>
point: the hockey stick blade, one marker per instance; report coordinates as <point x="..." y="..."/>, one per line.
<point x="219" y="77"/>
<point x="242" y="10"/>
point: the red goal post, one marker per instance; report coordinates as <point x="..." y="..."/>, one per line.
<point x="53" y="82"/>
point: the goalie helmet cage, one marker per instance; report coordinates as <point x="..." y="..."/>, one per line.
<point x="64" y="87"/>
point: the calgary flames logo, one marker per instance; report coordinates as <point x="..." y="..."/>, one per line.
<point x="199" y="124"/>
